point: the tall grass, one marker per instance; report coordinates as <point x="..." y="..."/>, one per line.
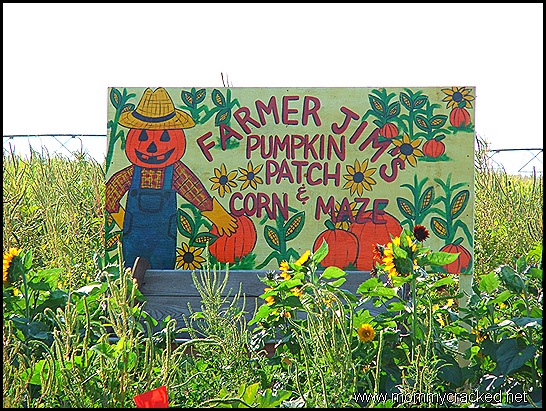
<point x="54" y="206"/>
<point x="508" y="214"/>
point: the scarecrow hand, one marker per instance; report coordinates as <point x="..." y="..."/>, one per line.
<point x="119" y="216"/>
<point x="224" y="222"/>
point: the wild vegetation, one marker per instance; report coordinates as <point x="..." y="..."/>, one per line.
<point x="76" y="335"/>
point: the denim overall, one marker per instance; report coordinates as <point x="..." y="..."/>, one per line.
<point x="149" y="227"/>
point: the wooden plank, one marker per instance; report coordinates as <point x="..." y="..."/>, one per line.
<point x="168" y="292"/>
<point x="180" y="282"/>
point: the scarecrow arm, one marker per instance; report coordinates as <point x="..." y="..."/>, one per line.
<point x="224" y="222"/>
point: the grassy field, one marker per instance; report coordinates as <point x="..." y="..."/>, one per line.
<point x="58" y="350"/>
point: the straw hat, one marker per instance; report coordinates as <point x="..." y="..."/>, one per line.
<point x="156" y="111"/>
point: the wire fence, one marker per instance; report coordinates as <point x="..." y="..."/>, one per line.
<point x="524" y="161"/>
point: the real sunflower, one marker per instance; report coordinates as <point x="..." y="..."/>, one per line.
<point x="222" y="180"/>
<point x="420" y="232"/>
<point x="296" y="291"/>
<point x="8" y="259"/>
<point x="359" y="178"/>
<point x="284" y="266"/>
<point x="189" y="257"/>
<point x="303" y="259"/>
<point x="366" y="332"/>
<point x="388" y="260"/>
<point x="285" y="275"/>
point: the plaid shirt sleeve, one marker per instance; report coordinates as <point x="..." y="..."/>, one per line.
<point x="116" y="187"/>
<point x="190" y="187"/>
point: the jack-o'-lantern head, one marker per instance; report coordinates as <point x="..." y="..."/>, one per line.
<point x="155" y="148"/>
<point x="156" y="137"/>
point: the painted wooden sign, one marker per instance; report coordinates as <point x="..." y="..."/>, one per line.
<point x="260" y="175"/>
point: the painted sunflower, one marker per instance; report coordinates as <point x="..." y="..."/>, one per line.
<point x="344" y="221"/>
<point x="189" y="257"/>
<point x="359" y="177"/>
<point x="250" y="176"/>
<point x="222" y="180"/>
<point x="408" y="149"/>
<point x="458" y="97"/>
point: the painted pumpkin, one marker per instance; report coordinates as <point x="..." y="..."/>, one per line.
<point x="434" y="148"/>
<point x="462" y="263"/>
<point x="370" y="233"/>
<point x="389" y="130"/>
<point x="155" y="148"/>
<point x="227" y="249"/>
<point x="342" y="246"/>
<point x="459" y="117"/>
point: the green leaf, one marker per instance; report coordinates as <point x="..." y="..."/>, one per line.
<point x="438" y="121"/>
<point x="374" y="288"/>
<point x="202" y="239"/>
<point x="396" y="306"/>
<point x="510" y="357"/>
<point x="406" y="101"/>
<point x="185" y="223"/>
<point x="188" y="99"/>
<point x="420" y="102"/>
<point x="440" y="228"/>
<point x="489" y="282"/>
<point x="294" y="225"/>
<point x="525" y="322"/>
<point x="250" y="393"/>
<point x="536" y="273"/>
<point x="262" y="313"/>
<point x="511" y="279"/>
<point x="333" y="272"/>
<point x="272" y="237"/>
<point x="322" y="252"/>
<point x="338" y="282"/>
<point x="115" y="97"/>
<point x="422" y="122"/>
<point x="426" y="200"/>
<point x="441" y="258"/>
<point x="502" y="297"/>
<point x="406" y="208"/>
<point x="443" y="281"/>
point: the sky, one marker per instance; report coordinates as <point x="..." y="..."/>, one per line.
<point x="60" y="59"/>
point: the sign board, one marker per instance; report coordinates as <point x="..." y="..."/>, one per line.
<point x="261" y="175"/>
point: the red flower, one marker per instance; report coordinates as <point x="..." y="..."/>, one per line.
<point x="420" y="233"/>
<point x="157" y="398"/>
<point x="378" y="251"/>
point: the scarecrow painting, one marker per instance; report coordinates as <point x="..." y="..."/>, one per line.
<point x="155" y="144"/>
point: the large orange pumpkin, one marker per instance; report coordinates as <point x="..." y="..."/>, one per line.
<point x="155" y="148"/>
<point x="462" y="263"/>
<point x="227" y="249"/>
<point x="370" y="233"/>
<point x="342" y="246"/>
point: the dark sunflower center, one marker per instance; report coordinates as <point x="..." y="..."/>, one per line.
<point x="406" y="149"/>
<point x="250" y="175"/>
<point x="358" y="177"/>
<point x="188" y="257"/>
<point x="457" y="96"/>
<point x="223" y="180"/>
